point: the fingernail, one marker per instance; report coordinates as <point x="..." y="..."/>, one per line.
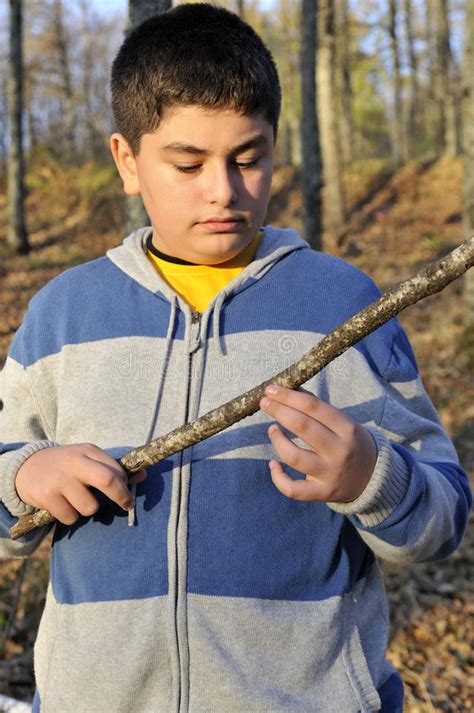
<point x="272" y="429"/>
<point x="272" y="389"/>
<point x="264" y="403"/>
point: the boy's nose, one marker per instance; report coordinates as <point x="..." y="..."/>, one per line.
<point x="221" y="189"/>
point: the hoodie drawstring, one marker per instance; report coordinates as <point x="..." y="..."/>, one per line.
<point x="216" y="323"/>
<point x="132" y="516"/>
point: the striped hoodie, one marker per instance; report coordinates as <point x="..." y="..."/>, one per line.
<point x="225" y="596"/>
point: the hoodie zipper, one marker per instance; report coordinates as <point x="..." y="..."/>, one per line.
<point x="181" y="562"/>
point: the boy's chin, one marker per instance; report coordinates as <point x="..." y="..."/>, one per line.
<point x="224" y="252"/>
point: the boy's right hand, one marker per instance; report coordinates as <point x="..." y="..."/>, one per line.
<point x="57" y="479"/>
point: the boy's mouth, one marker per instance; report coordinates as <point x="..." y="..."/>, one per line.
<point x="221" y="225"/>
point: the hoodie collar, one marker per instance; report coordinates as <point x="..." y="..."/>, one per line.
<point x="131" y="258"/>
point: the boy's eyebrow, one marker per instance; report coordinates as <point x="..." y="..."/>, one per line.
<point x="259" y="141"/>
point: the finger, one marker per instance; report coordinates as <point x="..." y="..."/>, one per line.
<point x="138" y="477"/>
<point x="309" y="489"/>
<point x="109" y="480"/>
<point x="95" y="453"/>
<point x="62" y="510"/>
<point x="312" y="406"/>
<point x="300" y="459"/>
<point x="81" y="498"/>
<point x="312" y="432"/>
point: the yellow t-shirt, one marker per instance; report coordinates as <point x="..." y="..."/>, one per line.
<point x="198" y="284"/>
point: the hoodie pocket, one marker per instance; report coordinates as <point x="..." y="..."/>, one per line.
<point x="355" y="662"/>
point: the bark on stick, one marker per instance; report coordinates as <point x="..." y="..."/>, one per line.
<point x="431" y="279"/>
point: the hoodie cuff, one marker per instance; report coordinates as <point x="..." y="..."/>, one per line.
<point x="14" y="460"/>
<point x="385" y="490"/>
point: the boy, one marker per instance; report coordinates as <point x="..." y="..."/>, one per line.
<point x="228" y="593"/>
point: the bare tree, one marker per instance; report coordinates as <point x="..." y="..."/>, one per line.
<point x="17" y="236"/>
<point x="240" y="8"/>
<point x="62" y="48"/>
<point x="87" y="72"/>
<point x="311" y="156"/>
<point x="411" y="130"/>
<point x="138" y="11"/>
<point x="343" y="78"/>
<point x="286" y="45"/>
<point x="445" y="80"/>
<point x="468" y="148"/>
<point x="334" y="213"/>
<point x="3" y="122"/>
<point x="397" y="131"/>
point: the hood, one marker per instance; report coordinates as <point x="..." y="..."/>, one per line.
<point x="130" y="257"/>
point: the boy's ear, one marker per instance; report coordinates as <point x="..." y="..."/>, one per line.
<point x="126" y="164"/>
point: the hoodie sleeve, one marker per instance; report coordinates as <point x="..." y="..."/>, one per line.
<point x="23" y="431"/>
<point x="416" y="505"/>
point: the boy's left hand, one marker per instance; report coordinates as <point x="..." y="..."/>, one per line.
<point x="342" y="453"/>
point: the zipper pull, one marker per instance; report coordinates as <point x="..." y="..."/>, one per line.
<point x="195" y="331"/>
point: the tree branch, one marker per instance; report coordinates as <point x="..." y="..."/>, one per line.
<point x="431" y="279"/>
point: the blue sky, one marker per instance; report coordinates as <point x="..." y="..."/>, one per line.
<point x="105" y="6"/>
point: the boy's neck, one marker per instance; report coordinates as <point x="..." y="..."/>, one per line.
<point x="242" y="259"/>
<point x="163" y="256"/>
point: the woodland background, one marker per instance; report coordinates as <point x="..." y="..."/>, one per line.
<point x="375" y="163"/>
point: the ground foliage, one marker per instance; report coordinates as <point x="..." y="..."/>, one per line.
<point x="396" y="222"/>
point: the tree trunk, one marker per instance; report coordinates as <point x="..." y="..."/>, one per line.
<point x="17" y="237"/>
<point x="240" y="9"/>
<point x="87" y="71"/>
<point x="468" y="149"/>
<point x="344" y="86"/>
<point x="3" y="123"/>
<point x="65" y="76"/>
<point x="334" y="213"/>
<point x="412" y="98"/>
<point x="310" y="149"/>
<point x="445" y="81"/>
<point x="397" y="127"/>
<point x="138" y="11"/>
<point x="432" y="118"/>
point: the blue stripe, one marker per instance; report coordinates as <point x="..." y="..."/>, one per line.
<point x="391" y="695"/>
<point x="112" y="305"/>
<point x="312" y="304"/>
<point x="132" y="562"/>
<point x="7" y="447"/>
<point x="403" y="527"/>
<point x="258" y="543"/>
<point x="36" y="705"/>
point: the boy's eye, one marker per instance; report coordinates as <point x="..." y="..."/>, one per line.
<point x="187" y="169"/>
<point x="196" y="166"/>
<point x="246" y="164"/>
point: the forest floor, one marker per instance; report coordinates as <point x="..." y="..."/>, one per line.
<point x="396" y="223"/>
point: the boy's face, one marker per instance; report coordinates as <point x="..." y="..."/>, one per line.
<point x="204" y="176"/>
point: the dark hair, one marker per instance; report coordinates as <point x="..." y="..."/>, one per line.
<point x="194" y="54"/>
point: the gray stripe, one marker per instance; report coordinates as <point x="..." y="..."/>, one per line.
<point x="322" y="654"/>
<point x="79" y="670"/>
<point x="262" y="656"/>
